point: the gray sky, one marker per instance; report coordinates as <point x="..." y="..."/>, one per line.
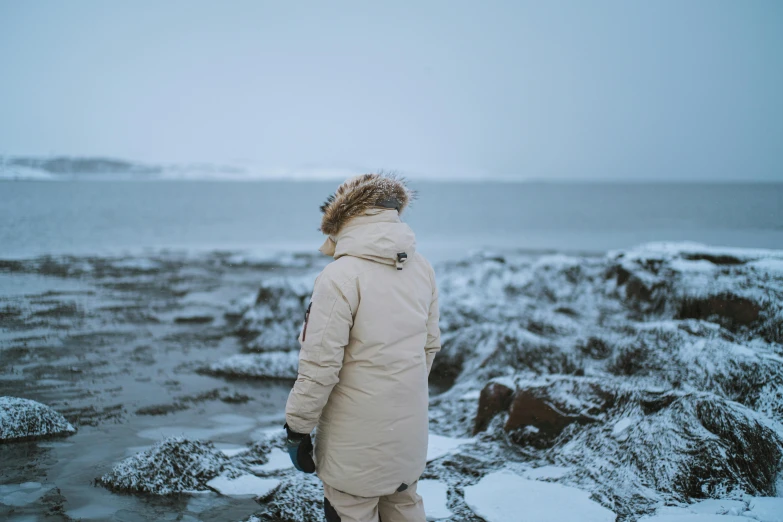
<point x="664" y="89"/>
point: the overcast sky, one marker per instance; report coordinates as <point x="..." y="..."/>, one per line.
<point x="664" y="89"/>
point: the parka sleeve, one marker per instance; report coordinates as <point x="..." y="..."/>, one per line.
<point x="323" y="339"/>
<point x="433" y="329"/>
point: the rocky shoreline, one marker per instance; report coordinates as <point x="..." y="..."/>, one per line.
<point x="644" y="383"/>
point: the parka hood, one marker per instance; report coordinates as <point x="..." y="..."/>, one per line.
<point x="360" y="193"/>
<point x="378" y="236"/>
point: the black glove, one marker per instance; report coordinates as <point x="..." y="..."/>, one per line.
<point x="300" y="449"/>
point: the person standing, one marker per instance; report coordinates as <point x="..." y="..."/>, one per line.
<point x="369" y="338"/>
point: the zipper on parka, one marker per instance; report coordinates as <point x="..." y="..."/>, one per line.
<point x="307" y="318"/>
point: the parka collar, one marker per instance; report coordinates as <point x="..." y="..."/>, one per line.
<point x="378" y="236"/>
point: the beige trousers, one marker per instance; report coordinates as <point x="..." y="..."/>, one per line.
<point x="405" y="506"/>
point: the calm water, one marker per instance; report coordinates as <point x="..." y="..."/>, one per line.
<point x="450" y="219"/>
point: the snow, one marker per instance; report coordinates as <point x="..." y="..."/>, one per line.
<point x="766" y="509"/>
<point x="440" y="446"/>
<point x="22" y="419"/>
<point x="547" y="472"/>
<point x="692" y="517"/>
<point x="716" y="506"/>
<point x="435" y="495"/>
<point x="22" y="494"/>
<point x="760" y="509"/>
<point x="505" y="497"/>
<point x="619" y="431"/>
<point x="231" y="450"/>
<point x="243" y="485"/>
<point x="279" y="460"/>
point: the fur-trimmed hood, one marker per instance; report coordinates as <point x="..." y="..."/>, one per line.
<point x="361" y="193"/>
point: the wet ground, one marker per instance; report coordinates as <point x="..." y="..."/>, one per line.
<point x="114" y="345"/>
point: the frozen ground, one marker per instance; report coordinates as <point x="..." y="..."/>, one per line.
<point x="646" y="383"/>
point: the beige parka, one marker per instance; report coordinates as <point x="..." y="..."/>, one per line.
<point x="367" y="346"/>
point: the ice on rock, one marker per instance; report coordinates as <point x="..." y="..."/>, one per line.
<point x="435" y="494"/>
<point x="24" y="419"/>
<point x="243" y="485"/>
<point x="503" y="496"/>
<point x="440" y="446"/>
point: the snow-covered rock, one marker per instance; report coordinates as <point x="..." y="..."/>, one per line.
<point x="644" y="378"/>
<point x="274" y="320"/>
<point x="503" y="496"/>
<point x="174" y="465"/>
<point x="299" y="498"/>
<point x="268" y="365"/>
<point x="24" y="419"/>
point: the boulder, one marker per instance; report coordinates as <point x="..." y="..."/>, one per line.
<point x="24" y="419"/>
<point x="174" y="465"/>
<point x="729" y="310"/>
<point x="494" y="398"/>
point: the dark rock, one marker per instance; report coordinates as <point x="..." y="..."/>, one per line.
<point x="194" y="319"/>
<point x="528" y="409"/>
<point x="632" y="360"/>
<point x="730" y="311"/>
<point x="494" y="398"/>
<point x="595" y="348"/>
<point x="715" y="259"/>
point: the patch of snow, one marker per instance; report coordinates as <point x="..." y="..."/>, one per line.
<point x="278" y="461"/>
<point x="503" y="496"/>
<point x="766" y="509"/>
<point x="472" y="395"/>
<point x="440" y="446"/>
<point x="243" y="485"/>
<point x="620" y="428"/>
<point x="547" y="472"/>
<point x="773" y="266"/>
<point x="693" y="517"/>
<point x="231" y="450"/>
<point x="435" y="495"/>
<point x="716" y="506"/>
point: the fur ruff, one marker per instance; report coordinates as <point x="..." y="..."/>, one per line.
<point x="360" y="193"/>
